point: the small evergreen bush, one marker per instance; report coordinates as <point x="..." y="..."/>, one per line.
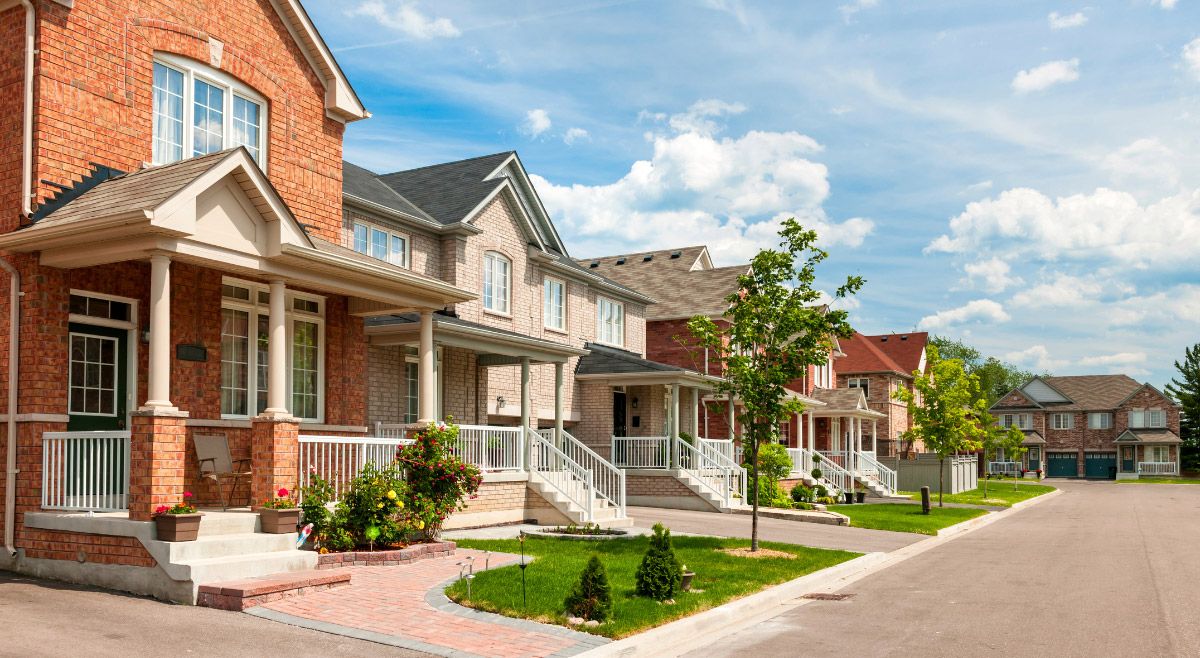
<point x="801" y="493"/>
<point x="591" y="598"/>
<point x="659" y="573"/>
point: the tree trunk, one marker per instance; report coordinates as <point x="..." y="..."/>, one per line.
<point x="941" y="478"/>
<point x="985" y="481"/>
<point x="754" y="511"/>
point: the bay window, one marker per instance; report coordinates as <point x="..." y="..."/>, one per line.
<point x="200" y="110"/>
<point x="497" y="272"/>
<point x="610" y="322"/>
<point x="554" y="310"/>
<point x="381" y="243"/>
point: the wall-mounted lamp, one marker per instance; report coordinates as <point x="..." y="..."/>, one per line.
<point x="634" y="402"/>
<point x="499" y="402"/>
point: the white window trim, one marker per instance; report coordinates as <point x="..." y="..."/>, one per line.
<point x="1055" y="417"/>
<point x="192" y="70"/>
<point x="391" y="233"/>
<point x="71" y="378"/>
<point x="565" y="322"/>
<point x="1105" y="424"/>
<point x="291" y="315"/>
<point x="131" y="361"/>
<point x="508" y="291"/>
<point x="863" y="383"/>
<point x="600" y="321"/>
<point x="1019" y="421"/>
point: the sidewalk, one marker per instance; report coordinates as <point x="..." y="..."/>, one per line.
<point x="404" y="606"/>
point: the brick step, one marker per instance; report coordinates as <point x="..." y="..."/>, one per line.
<point x="238" y="595"/>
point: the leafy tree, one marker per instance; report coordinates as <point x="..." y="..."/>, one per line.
<point x="995" y="438"/>
<point x="1013" y="445"/>
<point x="1186" y="391"/>
<point x="591" y="597"/>
<point x="659" y="574"/>
<point x="774" y="329"/>
<point x="946" y="418"/>
<point x="996" y="377"/>
<point x="773" y="465"/>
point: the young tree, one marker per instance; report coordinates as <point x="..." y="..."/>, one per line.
<point x="996" y="377"/>
<point x="945" y="404"/>
<point x="1012" y="443"/>
<point x="1186" y="391"/>
<point x="775" y="329"/>
<point x="995" y="439"/>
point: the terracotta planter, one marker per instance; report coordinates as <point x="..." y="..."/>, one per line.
<point x="279" y="521"/>
<point x="685" y="585"/>
<point x="178" y="527"/>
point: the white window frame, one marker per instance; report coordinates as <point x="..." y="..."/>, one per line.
<point x="130" y="326"/>
<point x="1146" y="418"/>
<point x="1165" y="451"/>
<point x="1020" y="421"/>
<point x="1055" y="419"/>
<point x="193" y="70"/>
<point x="863" y="383"/>
<point x="1100" y="420"/>
<point x="607" y="330"/>
<point x="392" y="234"/>
<point x="547" y="307"/>
<point x="291" y="315"/>
<point x="489" y="257"/>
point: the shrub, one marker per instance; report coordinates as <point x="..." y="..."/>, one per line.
<point x="816" y="474"/>
<point x="770" y="494"/>
<point x="659" y="574"/>
<point x="774" y="463"/>
<point x="438" y="481"/>
<point x="819" y="491"/>
<point x="591" y="598"/>
<point x="315" y="504"/>
<point x="374" y="505"/>
<point x="801" y="493"/>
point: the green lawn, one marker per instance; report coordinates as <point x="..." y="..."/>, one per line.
<point x="902" y="517"/>
<point x="720" y="577"/>
<point x="999" y="494"/>
<point x="1161" y="481"/>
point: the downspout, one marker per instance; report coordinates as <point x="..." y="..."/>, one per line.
<point x="14" y="294"/>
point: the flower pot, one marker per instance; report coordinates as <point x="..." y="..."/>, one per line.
<point x="686" y="584"/>
<point x="860" y="496"/>
<point x="849" y="496"/>
<point x="279" y="521"/>
<point x="178" y="527"/>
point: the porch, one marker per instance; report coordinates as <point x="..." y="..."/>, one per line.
<point x="1148" y="453"/>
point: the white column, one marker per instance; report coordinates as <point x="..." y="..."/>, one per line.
<point x="426" y="378"/>
<point x="696" y="414"/>
<point x="674" y="423"/>
<point x="558" y="403"/>
<point x="277" y="353"/>
<point x="812" y="432"/>
<point x="730" y="416"/>
<point x="875" y="438"/>
<point x="159" y="384"/>
<point x="527" y="453"/>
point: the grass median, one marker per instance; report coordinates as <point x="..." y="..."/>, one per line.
<point x="720" y="577"/>
<point x="902" y="517"/>
<point x="1158" y="480"/>
<point x="1001" y="493"/>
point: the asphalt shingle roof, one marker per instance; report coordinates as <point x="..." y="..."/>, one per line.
<point x="448" y="192"/>
<point x="604" y="360"/>
<point x="366" y="185"/>
<point x="680" y="291"/>
<point x="844" y="399"/>
<point x="659" y="261"/>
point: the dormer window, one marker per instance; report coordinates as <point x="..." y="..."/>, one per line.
<point x="200" y="110"/>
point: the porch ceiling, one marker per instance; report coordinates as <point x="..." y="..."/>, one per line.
<point x="500" y="346"/>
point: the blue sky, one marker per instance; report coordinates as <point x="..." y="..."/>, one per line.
<point x="1021" y="175"/>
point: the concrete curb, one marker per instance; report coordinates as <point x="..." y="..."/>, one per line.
<point x="800" y="516"/>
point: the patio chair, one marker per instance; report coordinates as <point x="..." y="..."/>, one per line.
<point x="212" y="452"/>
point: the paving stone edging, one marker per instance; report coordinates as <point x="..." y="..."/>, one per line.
<point x="386" y="558"/>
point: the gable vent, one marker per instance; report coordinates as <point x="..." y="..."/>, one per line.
<point x="883" y="340"/>
<point x="595" y="264"/>
<point x="621" y="261"/>
<point x="676" y="254"/>
<point x="647" y="258"/>
<point x="904" y="338"/>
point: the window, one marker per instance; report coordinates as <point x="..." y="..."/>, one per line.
<point x="1020" y="421"/>
<point x="1100" y="421"/>
<point x="93" y="375"/>
<point x="1139" y="418"/>
<point x="1062" y="421"/>
<point x="198" y="110"/>
<point x="610" y="322"/>
<point x="98" y="307"/>
<point x="411" y="391"/>
<point x="245" y="326"/>
<point x="785" y="433"/>
<point x="1158" y="454"/>
<point x="496" y="289"/>
<point x="554" y="311"/>
<point x="860" y="382"/>
<point x="381" y="243"/>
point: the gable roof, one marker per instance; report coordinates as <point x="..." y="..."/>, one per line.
<point x="364" y="185"/>
<point x="1082" y="393"/>
<point x="606" y="362"/>
<point x="450" y="191"/>
<point x="842" y="399"/>
<point x="341" y="101"/>
<point x="667" y="274"/>
<point x="865" y="354"/>
<point x="1159" y="436"/>
<point x="677" y="259"/>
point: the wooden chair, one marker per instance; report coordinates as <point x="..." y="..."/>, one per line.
<point x="212" y="452"/>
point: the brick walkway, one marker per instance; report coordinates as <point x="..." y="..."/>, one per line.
<point x="404" y="606"/>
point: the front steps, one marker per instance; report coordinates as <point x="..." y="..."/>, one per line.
<point x="705" y="493"/>
<point x="547" y="485"/>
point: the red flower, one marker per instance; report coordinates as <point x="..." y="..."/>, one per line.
<point x="161" y="509"/>
<point x="282" y="493"/>
<point x="187" y="494"/>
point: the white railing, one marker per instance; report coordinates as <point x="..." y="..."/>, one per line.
<point x="1156" y="468"/>
<point x="866" y="466"/>
<point x="801" y="461"/>
<point x="641" y="451"/>
<point x="833" y="476"/>
<point x="491" y="448"/>
<point x="339" y="459"/>
<point x="839" y="457"/>
<point x="1004" y="468"/>
<point x="563" y="474"/>
<point x="392" y="430"/>
<point x="85" y="471"/>
<point x="713" y="471"/>
<point x="723" y="446"/>
<point x="608" y="479"/>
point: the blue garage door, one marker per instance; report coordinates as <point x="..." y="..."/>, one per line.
<point x="1100" y="464"/>
<point x="1061" y="464"/>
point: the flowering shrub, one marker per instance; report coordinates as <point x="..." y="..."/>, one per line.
<point x="184" y="506"/>
<point x="372" y="510"/>
<point x="282" y="500"/>
<point x="439" y="483"/>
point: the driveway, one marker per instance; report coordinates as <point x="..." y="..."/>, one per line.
<point x="817" y="535"/>
<point x="1103" y="569"/>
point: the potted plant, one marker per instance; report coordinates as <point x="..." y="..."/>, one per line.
<point x="279" y="515"/>
<point x="848" y="496"/>
<point x="860" y="495"/>
<point x="178" y="523"/>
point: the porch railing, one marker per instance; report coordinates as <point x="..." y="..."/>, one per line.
<point x="1156" y="468"/>
<point x="609" y="480"/>
<point x="724" y="447"/>
<point x="833" y="476"/>
<point x="866" y="466"/>
<point x="641" y="451"/>
<point x="1004" y="468"/>
<point x="85" y="471"/>
<point x="492" y="449"/>
<point x="339" y="459"/>
<point x="713" y="471"/>
<point x="566" y="476"/>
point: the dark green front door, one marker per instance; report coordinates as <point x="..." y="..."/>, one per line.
<point x="1127" y="465"/>
<point x="1100" y="465"/>
<point x="1061" y="464"/>
<point x="1035" y="458"/>
<point x="98" y="377"/>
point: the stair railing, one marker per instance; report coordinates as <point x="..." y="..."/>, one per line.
<point x="608" y="479"/>
<point x="566" y="476"/>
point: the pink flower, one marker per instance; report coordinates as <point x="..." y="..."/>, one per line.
<point x="282" y="493"/>
<point x="187" y="494"/>
<point x="161" y="509"/>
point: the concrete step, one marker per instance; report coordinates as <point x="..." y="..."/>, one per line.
<point x="218" y="522"/>
<point x="249" y="565"/>
<point x="213" y="546"/>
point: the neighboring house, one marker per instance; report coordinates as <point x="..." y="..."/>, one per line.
<point x="881" y="365"/>
<point x="1097" y="426"/>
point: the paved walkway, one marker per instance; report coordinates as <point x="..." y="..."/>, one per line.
<point x="403" y="606"/>
<point x="1101" y="570"/>
<point x="859" y="540"/>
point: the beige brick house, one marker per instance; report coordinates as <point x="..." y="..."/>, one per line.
<point x="1095" y="426"/>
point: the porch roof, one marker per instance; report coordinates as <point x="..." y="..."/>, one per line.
<point x="809" y="402"/>
<point x="624" y="367"/>
<point x="219" y="211"/>
<point x="1148" y="436"/>
<point x="502" y="346"/>
<point x="1033" y="438"/>
<point x="844" y="402"/>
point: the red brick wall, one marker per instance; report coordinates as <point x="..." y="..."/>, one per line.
<point x="97" y="549"/>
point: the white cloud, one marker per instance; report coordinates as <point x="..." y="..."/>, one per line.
<point x="1118" y="360"/>
<point x="1145" y="160"/>
<point x="403" y="16"/>
<point x="1063" y="291"/>
<point x="699" y="117"/>
<point x="1191" y="56"/>
<point x="573" y="135"/>
<point x="978" y="310"/>
<point x="537" y="121"/>
<point x="851" y="9"/>
<point x="981" y="186"/>
<point x="1166" y="4"/>
<point x="1036" y="357"/>
<point x="993" y="275"/>
<point x="1045" y="76"/>
<point x="1063" y="22"/>
<point x="1105" y="226"/>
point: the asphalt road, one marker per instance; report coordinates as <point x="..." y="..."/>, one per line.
<point x="1101" y="570"/>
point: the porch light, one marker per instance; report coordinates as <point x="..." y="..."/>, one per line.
<point x="499" y="402"/>
<point x="634" y="402"/>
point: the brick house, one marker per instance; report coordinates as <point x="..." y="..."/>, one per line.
<point x="1097" y="426"/>
<point x="881" y="365"/>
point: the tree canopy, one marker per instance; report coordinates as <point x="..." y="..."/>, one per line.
<point x="1185" y="389"/>
<point x="996" y="377"/>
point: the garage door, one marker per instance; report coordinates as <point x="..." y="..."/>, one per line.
<point x="1061" y="464"/>
<point x="1100" y="464"/>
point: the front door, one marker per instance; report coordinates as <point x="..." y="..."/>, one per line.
<point x="97" y="378"/>
<point x="1127" y="462"/>
<point x="1035" y="458"/>
<point x="619" y="424"/>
